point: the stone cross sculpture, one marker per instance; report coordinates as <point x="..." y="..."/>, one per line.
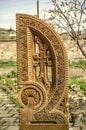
<point x="43" y="74"/>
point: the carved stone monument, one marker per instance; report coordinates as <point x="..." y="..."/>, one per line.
<point x="43" y="74"/>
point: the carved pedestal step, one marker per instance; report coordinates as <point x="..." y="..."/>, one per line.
<point x="71" y="129"/>
<point x="45" y="127"/>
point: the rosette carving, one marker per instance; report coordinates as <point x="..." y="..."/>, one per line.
<point x="35" y="91"/>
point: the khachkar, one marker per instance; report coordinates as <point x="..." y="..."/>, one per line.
<point x="43" y="73"/>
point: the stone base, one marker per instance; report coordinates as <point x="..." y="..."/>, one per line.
<point x="70" y="128"/>
<point x="45" y="127"/>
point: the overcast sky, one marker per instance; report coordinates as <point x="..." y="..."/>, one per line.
<point x="9" y="8"/>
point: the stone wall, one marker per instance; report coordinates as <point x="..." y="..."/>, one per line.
<point x="74" y="52"/>
<point x="8" y="50"/>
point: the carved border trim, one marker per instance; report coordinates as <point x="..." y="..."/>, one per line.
<point x="39" y="26"/>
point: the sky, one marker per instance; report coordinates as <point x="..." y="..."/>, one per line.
<point x="9" y="8"/>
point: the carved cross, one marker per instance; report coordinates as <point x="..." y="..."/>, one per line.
<point x="43" y="59"/>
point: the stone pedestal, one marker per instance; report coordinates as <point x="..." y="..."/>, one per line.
<point x="45" y="127"/>
<point x="70" y="128"/>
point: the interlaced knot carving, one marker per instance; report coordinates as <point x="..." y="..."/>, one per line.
<point x="43" y="72"/>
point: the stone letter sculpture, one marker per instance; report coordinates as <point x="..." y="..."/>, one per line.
<point x="43" y="73"/>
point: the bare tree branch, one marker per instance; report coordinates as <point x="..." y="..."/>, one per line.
<point x="69" y="16"/>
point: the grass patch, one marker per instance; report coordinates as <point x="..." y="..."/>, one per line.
<point x="78" y="82"/>
<point x="79" y="64"/>
<point x="7" y="63"/>
<point x="12" y="74"/>
<point x="82" y="84"/>
<point x="11" y="83"/>
<point x="15" y="101"/>
<point x="7" y="79"/>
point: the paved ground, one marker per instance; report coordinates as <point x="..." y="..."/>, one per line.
<point x="9" y="116"/>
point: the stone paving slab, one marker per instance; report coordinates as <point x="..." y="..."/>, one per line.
<point x="13" y="128"/>
<point x="9" y="116"/>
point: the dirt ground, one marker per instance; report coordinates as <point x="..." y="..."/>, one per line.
<point x="7" y="70"/>
<point x="77" y="72"/>
<point x="81" y="73"/>
<point x="72" y="71"/>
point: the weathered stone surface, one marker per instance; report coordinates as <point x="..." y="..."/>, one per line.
<point x="43" y="72"/>
<point x="13" y="128"/>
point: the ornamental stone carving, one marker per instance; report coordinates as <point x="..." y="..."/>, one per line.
<point x="43" y="73"/>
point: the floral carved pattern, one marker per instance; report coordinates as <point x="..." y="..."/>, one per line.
<point x="49" y="95"/>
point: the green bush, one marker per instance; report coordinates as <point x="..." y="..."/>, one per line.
<point x="12" y="74"/>
<point x="82" y="84"/>
<point x="78" y="82"/>
<point x="9" y="80"/>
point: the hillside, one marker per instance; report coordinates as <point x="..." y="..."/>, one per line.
<point x="7" y="34"/>
<point x="65" y="36"/>
<point x="12" y="32"/>
<point x="2" y="29"/>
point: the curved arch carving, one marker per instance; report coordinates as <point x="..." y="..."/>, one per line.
<point x="29" y="27"/>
